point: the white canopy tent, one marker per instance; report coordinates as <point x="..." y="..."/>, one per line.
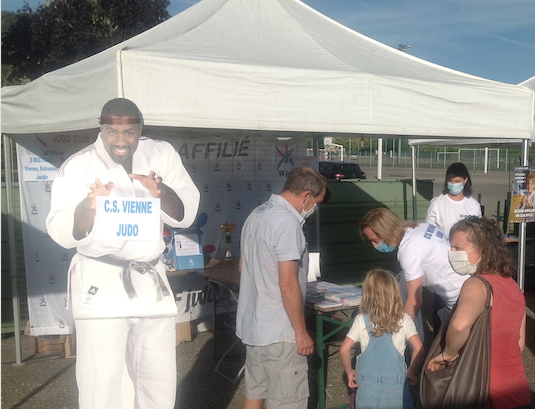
<point x="500" y="143"/>
<point x="276" y="68"/>
<point x="269" y="65"/>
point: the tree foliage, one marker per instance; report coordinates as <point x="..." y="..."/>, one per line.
<point x="62" y="32"/>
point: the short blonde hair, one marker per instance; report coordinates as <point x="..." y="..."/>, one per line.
<point x="386" y="224"/>
<point x="381" y="299"/>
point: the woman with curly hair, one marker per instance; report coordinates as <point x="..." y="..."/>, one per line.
<point x="383" y="330"/>
<point x="478" y="248"/>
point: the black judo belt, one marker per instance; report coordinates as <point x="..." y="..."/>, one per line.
<point x="138" y="266"/>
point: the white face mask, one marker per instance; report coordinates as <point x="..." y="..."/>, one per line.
<point x="459" y="262"/>
<point x="307" y="213"/>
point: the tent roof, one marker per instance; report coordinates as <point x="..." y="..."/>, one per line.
<point x="500" y="143"/>
<point x="269" y="65"/>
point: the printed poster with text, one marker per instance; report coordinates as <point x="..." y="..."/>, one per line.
<point x="523" y="197"/>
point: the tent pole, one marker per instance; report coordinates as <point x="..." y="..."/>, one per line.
<point x="8" y="158"/>
<point x="379" y="158"/>
<point x="119" y="65"/>
<point x="522" y="227"/>
<point x="414" y="206"/>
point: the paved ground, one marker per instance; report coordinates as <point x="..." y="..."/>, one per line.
<point x="50" y="383"/>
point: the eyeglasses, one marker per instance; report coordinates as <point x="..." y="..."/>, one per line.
<point x="473" y="219"/>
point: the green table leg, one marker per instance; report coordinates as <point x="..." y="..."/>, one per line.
<point x="320" y="348"/>
<point x="321" y="353"/>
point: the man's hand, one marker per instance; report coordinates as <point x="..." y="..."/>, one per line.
<point x="150" y="182"/>
<point x="292" y="301"/>
<point x="84" y="214"/>
<point x="305" y="344"/>
<point x="170" y="202"/>
<point x="98" y="189"/>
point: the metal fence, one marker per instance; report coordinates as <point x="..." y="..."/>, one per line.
<point x="432" y="158"/>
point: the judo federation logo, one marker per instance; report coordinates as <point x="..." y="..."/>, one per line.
<point x="238" y="165"/>
<point x="286" y="156"/>
<point x="229" y="187"/>
<point x="259" y="167"/>
<point x="249" y="186"/>
<point x="42" y="301"/>
<point x="65" y="257"/>
<point x="36" y="257"/>
<point x="268" y="186"/>
<point x="47" y="187"/>
<point x="216" y="167"/>
<point x="217" y="207"/>
<point x="34" y="209"/>
<point x="206" y="187"/>
<point x="61" y="323"/>
<point x="51" y="279"/>
<point x="238" y="205"/>
<point x="194" y="168"/>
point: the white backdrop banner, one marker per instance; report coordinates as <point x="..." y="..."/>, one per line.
<point x="234" y="175"/>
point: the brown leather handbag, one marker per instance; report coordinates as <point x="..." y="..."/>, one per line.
<point x="465" y="383"/>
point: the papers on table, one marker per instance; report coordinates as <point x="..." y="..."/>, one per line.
<point x="324" y="294"/>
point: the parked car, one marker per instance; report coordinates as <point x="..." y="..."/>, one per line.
<point x="341" y="170"/>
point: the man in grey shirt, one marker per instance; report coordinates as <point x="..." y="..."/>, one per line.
<point x="270" y="318"/>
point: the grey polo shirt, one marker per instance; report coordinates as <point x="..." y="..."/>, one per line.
<point x="273" y="232"/>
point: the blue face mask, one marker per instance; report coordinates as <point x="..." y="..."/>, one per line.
<point x="455" y="188"/>
<point x="385" y="248"/>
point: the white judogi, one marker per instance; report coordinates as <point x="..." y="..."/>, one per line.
<point x="101" y="306"/>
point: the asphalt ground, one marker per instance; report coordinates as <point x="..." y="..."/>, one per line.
<point x="44" y="382"/>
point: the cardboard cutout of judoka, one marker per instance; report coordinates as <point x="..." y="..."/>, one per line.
<point x="107" y="201"/>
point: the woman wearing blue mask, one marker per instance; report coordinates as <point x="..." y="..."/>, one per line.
<point x="422" y="252"/>
<point x="455" y="203"/>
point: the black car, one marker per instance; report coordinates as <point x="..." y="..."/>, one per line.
<point x="341" y="170"/>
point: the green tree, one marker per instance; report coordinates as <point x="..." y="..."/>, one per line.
<point x="62" y="32"/>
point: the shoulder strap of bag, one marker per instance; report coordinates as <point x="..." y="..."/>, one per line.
<point x="489" y="290"/>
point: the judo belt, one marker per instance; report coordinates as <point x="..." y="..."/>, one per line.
<point x="138" y="266"/>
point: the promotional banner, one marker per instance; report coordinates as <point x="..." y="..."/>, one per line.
<point x="523" y="197"/>
<point x="233" y="175"/>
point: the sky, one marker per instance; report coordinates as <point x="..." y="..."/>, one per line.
<point x="493" y="39"/>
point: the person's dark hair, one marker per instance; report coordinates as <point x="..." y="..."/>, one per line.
<point x="304" y="178"/>
<point x="120" y="107"/>
<point x="458" y="169"/>
<point x="487" y="238"/>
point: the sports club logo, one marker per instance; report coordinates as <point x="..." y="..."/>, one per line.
<point x="286" y="156"/>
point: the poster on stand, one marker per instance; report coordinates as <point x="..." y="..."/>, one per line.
<point x="523" y="197"/>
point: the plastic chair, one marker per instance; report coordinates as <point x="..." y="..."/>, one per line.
<point x="227" y="295"/>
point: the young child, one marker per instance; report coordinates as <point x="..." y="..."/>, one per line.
<point x="382" y="329"/>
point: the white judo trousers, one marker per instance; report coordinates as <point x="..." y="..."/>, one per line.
<point x="149" y="347"/>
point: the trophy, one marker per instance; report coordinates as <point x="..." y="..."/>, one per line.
<point x="227" y="228"/>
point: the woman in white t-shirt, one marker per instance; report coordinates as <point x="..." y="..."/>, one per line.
<point x="423" y="255"/>
<point x="455" y="203"/>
